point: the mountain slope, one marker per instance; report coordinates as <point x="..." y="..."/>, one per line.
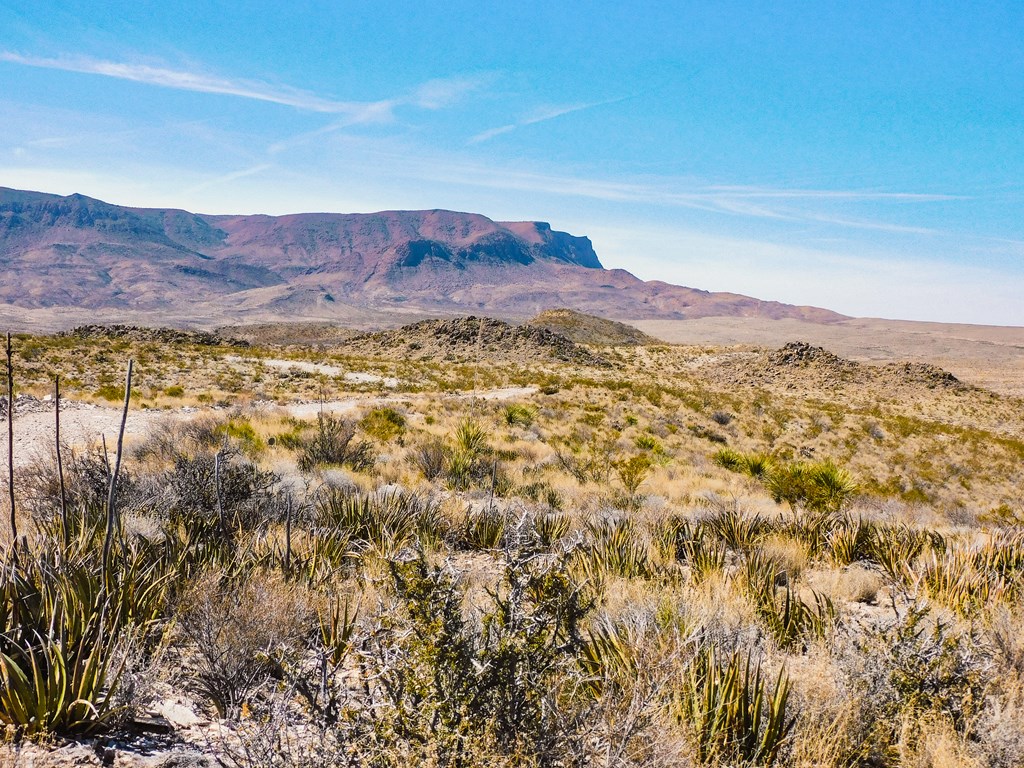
<point x="79" y="252"/>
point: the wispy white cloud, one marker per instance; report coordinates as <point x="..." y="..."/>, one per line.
<point x="829" y="194"/>
<point x="750" y="202"/>
<point x="194" y="81"/>
<point x="228" y="178"/>
<point x="444" y="92"/>
<point x="434" y="94"/>
<point x="539" y="116"/>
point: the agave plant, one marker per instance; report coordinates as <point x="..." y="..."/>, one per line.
<point x="484" y="529"/>
<point x="551" y="527"/>
<point x="60" y="638"/>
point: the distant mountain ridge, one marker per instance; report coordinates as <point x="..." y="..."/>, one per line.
<point x="79" y="252"/>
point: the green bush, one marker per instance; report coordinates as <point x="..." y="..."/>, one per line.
<point x="333" y="443"/>
<point x="385" y="424"/>
<point x="519" y="415"/>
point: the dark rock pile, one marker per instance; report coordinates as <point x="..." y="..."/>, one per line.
<point x="470" y="337"/>
<point x="24" y="404"/>
<point x="163" y="335"/>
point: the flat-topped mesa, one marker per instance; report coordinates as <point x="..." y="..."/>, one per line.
<point x="81" y="253"/>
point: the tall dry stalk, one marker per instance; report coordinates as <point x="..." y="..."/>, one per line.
<point x="112" y="492"/>
<point x="10" y="440"/>
<point x="60" y="460"/>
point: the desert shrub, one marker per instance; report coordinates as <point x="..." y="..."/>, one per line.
<point x="722" y="418"/>
<point x="541" y="491"/>
<point x="203" y="485"/>
<point x="429" y="458"/>
<point x="633" y="471"/>
<point x="86" y="484"/>
<point x="471" y="692"/>
<point x="385" y="424"/>
<point x="917" y="666"/>
<point x="587" y="459"/>
<point x="333" y="443"/>
<point x="240" y="431"/>
<point x="239" y="632"/>
<point x="699" y="430"/>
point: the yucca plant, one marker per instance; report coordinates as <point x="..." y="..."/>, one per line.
<point x="850" y="541"/>
<point x="818" y="487"/>
<point x="605" y="655"/>
<point x="551" y="527"/>
<point x="384" y="522"/>
<point x="727" y="458"/>
<point x="788" y="620"/>
<point x="961" y="580"/>
<point x="705" y="558"/>
<point x="337" y="628"/>
<point x="758" y="465"/>
<point x="812" y="528"/>
<point x="484" y="529"/>
<point x="319" y="556"/>
<point x="734" y="715"/>
<point x="894" y="549"/>
<point x="738" y="531"/>
<point x="519" y="415"/>
<point x="614" y="548"/>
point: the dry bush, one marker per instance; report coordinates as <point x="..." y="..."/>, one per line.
<point x="236" y="633"/>
<point x="931" y="741"/>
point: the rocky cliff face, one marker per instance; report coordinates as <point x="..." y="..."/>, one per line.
<point x="79" y="252"/>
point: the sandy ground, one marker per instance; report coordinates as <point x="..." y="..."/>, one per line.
<point x="86" y="424"/>
<point x="355" y="377"/>
<point x="984" y="355"/>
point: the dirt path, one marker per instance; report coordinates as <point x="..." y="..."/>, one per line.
<point x="349" y="404"/>
<point x="84" y="424"/>
<point x="356" y="377"/>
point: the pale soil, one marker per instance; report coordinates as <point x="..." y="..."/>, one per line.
<point x="86" y="424"/>
<point x="987" y="356"/>
<point x="355" y="377"/>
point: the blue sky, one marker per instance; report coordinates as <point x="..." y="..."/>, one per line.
<point x="863" y="156"/>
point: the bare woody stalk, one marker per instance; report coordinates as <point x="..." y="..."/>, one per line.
<point x="220" y="499"/>
<point x="10" y="440"/>
<point x="112" y="492"/>
<point x="60" y="461"/>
